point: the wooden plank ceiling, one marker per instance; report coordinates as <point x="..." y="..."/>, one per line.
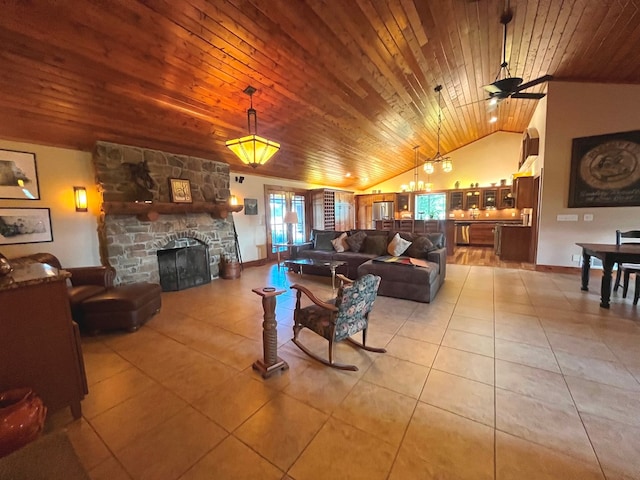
<point x="346" y="86"/>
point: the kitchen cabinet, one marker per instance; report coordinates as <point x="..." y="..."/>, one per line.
<point x="505" y="198"/>
<point x="456" y="200"/>
<point x="403" y="202"/>
<point x="489" y="198"/>
<point x="523" y="191"/>
<point x="383" y="197"/>
<point x="364" y="212"/>
<point x="472" y="199"/>
<point x="515" y="243"/>
<point x="482" y="234"/>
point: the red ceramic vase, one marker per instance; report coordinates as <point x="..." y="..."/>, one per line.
<point x="22" y="415"/>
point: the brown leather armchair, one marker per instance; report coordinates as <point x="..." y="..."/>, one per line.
<point x="97" y="305"/>
<point x="85" y="282"/>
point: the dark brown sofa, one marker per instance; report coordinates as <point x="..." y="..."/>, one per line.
<point x="402" y="281"/>
<point x="96" y="304"/>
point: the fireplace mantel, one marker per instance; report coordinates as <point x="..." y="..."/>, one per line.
<point x="151" y="211"/>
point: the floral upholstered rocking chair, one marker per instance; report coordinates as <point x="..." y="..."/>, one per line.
<point x="340" y="318"/>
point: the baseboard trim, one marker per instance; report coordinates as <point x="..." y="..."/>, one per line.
<point x="256" y="263"/>
<point x="558" y="269"/>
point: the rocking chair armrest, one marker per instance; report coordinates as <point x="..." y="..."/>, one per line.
<point x="344" y="279"/>
<point x="314" y="299"/>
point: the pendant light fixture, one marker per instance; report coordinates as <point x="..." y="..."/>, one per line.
<point x="253" y="150"/>
<point x="447" y="164"/>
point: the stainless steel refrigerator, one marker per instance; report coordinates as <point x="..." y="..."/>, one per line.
<point x="382" y="211"/>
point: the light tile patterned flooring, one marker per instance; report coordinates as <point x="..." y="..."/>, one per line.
<point x="508" y="374"/>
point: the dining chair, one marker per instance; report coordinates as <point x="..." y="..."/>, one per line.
<point x="625" y="270"/>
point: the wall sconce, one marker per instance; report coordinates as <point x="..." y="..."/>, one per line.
<point x="80" y="197"/>
<point x="233" y="200"/>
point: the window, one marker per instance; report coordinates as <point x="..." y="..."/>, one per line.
<point x="431" y="206"/>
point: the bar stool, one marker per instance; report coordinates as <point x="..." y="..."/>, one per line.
<point x="406" y="225"/>
<point x="387" y="225"/>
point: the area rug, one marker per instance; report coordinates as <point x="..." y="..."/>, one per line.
<point x="50" y="457"/>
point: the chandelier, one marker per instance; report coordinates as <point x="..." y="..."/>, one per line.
<point x="447" y="164"/>
<point x="253" y="150"/>
<point x="416" y="184"/>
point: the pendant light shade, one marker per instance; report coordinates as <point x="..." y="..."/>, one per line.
<point x="428" y="167"/>
<point x="252" y="149"/>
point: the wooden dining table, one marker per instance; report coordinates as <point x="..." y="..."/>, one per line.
<point x="610" y="254"/>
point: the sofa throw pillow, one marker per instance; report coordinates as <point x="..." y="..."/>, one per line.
<point x="323" y="240"/>
<point x="340" y="244"/>
<point x="356" y="241"/>
<point x="420" y="247"/>
<point x="375" y="245"/>
<point x="437" y="238"/>
<point x="398" y="245"/>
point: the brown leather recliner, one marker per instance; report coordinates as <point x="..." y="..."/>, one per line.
<point x="85" y="282"/>
<point x="96" y="304"/>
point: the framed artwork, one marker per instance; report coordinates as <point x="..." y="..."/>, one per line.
<point x="25" y="225"/>
<point x="605" y="170"/>
<point x="250" y="206"/>
<point x="18" y="175"/>
<point x="180" y="190"/>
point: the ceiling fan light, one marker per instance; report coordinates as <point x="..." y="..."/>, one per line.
<point x="428" y="167"/>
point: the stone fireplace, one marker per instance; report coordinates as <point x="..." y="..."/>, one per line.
<point x="131" y="233"/>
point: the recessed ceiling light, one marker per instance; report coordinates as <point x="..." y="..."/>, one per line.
<point x="347" y="174"/>
<point x="493" y="119"/>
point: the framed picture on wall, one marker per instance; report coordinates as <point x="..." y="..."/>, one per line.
<point x="180" y="190"/>
<point x="250" y="206"/>
<point x="605" y="170"/>
<point x="25" y="225"/>
<point x="18" y="175"/>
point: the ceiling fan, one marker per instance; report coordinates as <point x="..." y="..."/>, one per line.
<point x="508" y="86"/>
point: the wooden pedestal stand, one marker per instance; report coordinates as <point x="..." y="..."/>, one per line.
<point x="270" y="363"/>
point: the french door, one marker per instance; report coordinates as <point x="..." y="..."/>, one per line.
<point x="279" y="201"/>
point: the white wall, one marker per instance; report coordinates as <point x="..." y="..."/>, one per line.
<point x="485" y="161"/>
<point x="75" y="241"/>
<point x="580" y="110"/>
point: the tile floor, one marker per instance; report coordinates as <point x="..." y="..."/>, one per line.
<point x="508" y="374"/>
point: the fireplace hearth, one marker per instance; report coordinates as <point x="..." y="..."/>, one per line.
<point x="183" y="263"/>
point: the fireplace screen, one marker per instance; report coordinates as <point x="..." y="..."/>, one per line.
<point x="183" y="263"/>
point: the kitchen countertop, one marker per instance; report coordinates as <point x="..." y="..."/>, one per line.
<point x="502" y="222"/>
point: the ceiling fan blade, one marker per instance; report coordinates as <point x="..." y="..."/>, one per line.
<point x="528" y="96"/>
<point x="533" y="83"/>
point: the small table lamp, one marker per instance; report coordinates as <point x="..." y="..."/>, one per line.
<point x="290" y="219"/>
